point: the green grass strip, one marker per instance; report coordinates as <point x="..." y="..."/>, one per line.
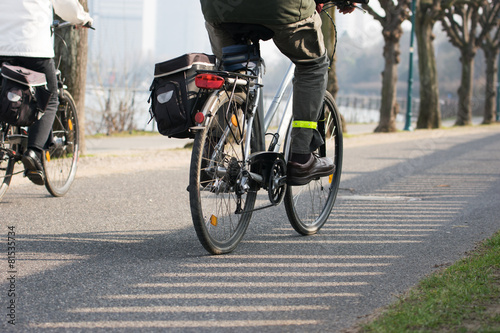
<point x="465" y="297"/>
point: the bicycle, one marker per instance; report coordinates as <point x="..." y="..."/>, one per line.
<point x="230" y="162"/>
<point x="60" y="158"/>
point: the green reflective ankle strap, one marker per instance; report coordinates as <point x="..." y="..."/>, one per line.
<point x="305" y="124"/>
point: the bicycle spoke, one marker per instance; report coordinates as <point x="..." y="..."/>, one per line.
<point x="309" y="206"/>
<point x="215" y="170"/>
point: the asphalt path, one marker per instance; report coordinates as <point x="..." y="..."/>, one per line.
<point x="119" y="253"/>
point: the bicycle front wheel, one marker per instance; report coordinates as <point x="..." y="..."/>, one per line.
<point x="6" y="162"/>
<point x="309" y="206"/>
<point x="214" y="180"/>
<point x="6" y="169"/>
<point x="61" y="158"/>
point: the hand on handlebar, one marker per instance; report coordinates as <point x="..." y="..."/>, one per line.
<point x="58" y="25"/>
<point x="347" y="9"/>
<point x="344" y="6"/>
<point x="88" y="25"/>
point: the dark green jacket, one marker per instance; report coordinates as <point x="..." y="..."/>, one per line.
<point x="257" y="11"/>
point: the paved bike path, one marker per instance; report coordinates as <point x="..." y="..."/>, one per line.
<point x="125" y="144"/>
<point x="119" y="253"/>
<point x="140" y="143"/>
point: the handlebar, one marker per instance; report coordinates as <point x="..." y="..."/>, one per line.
<point x="346" y="3"/>
<point x="87" y="25"/>
<point x="343" y="4"/>
<point x="59" y="25"/>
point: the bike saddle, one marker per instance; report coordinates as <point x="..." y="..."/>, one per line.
<point x="242" y="32"/>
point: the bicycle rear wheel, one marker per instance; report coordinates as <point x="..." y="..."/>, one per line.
<point x="61" y="158"/>
<point x="6" y="162"/>
<point x="215" y="172"/>
<point x="309" y="206"/>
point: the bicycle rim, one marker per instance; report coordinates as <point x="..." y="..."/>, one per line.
<point x="6" y="166"/>
<point x="215" y="167"/>
<point x="61" y="158"/>
<point x="309" y="206"/>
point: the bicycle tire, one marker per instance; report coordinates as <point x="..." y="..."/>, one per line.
<point x="308" y="207"/>
<point x="61" y="158"/>
<point x="6" y="166"/>
<point x="212" y="178"/>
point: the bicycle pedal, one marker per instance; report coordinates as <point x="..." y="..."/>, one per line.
<point x="36" y="177"/>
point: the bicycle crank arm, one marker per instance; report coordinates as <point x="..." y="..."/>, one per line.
<point x="255" y="177"/>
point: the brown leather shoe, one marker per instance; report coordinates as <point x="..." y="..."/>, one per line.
<point x="316" y="167"/>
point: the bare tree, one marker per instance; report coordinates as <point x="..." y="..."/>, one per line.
<point x="490" y="24"/>
<point x="396" y="12"/>
<point x="114" y="98"/>
<point x="460" y="21"/>
<point x="73" y="65"/>
<point x="428" y="12"/>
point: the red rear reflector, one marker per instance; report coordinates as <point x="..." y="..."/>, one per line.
<point x="209" y="81"/>
<point x="199" y="118"/>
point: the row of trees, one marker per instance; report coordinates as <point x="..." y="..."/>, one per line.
<point x="469" y="24"/>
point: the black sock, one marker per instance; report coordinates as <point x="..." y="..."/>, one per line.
<point x="300" y="158"/>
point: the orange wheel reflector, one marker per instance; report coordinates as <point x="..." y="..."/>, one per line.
<point x="47" y="156"/>
<point x="213" y="220"/>
<point x="70" y="124"/>
<point x="330" y="179"/>
<point x="234" y="120"/>
<point x="209" y="81"/>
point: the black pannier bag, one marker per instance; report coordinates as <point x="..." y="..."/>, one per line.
<point x="24" y="97"/>
<point x="174" y="95"/>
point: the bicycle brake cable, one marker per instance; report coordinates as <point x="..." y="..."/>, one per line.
<point x="332" y="4"/>
<point x="334" y="29"/>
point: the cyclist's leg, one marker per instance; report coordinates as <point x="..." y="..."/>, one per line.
<point x="39" y="132"/>
<point x="219" y="38"/>
<point x="311" y="77"/>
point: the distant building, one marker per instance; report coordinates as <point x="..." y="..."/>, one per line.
<point x="180" y="29"/>
<point x="125" y="30"/>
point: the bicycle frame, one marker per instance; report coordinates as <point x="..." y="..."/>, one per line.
<point x="252" y="110"/>
<point x="273" y="108"/>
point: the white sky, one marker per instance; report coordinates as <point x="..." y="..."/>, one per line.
<point x="180" y="29"/>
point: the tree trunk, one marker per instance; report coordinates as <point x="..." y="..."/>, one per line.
<point x="395" y="14"/>
<point x="389" y="108"/>
<point x="490" y="90"/>
<point x="464" y="115"/>
<point x="491" y="47"/>
<point x="429" y="113"/>
<point x="73" y="65"/>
